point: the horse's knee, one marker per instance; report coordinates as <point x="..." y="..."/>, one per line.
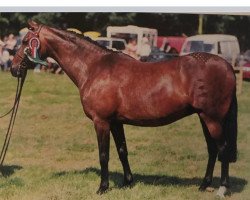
<point x="104" y="158"/>
<point x="123" y="154"/>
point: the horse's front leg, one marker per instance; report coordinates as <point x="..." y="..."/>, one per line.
<point x="102" y="128"/>
<point x="120" y="142"/>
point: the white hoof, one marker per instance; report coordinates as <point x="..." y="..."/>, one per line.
<point x="221" y="192"/>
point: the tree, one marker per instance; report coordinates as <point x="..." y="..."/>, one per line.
<point x="13" y="22"/>
<point x="166" y="24"/>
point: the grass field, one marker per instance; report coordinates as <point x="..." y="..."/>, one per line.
<point x="53" y="151"/>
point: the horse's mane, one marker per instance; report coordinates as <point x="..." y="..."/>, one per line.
<point x="73" y="36"/>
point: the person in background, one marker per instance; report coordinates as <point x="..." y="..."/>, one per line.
<point x="54" y="67"/>
<point x="1" y="63"/>
<point x="1" y="53"/>
<point x="5" y="59"/>
<point x="5" y="39"/>
<point x="37" y="68"/>
<point x="145" y="50"/>
<point x="2" y="44"/>
<point x="168" y="49"/>
<point x="131" y="48"/>
<point x="10" y="44"/>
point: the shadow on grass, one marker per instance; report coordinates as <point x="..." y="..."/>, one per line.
<point x="8" y="170"/>
<point x="238" y="184"/>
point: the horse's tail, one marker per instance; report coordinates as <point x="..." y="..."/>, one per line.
<point x="230" y="129"/>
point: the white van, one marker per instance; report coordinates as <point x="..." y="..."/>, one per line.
<point x="226" y="46"/>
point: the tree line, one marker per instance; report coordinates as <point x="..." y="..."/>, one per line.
<point x="166" y="24"/>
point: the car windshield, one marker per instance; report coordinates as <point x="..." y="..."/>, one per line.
<point x="104" y="43"/>
<point x="198" y="46"/>
<point x="125" y="36"/>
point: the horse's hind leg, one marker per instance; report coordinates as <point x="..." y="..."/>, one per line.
<point x="120" y="141"/>
<point x="212" y="152"/>
<point x="216" y="132"/>
<point x="224" y="180"/>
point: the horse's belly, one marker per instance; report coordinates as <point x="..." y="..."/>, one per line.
<point x="155" y="104"/>
<point x="156" y="120"/>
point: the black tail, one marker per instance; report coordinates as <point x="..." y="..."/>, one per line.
<point x="230" y="129"/>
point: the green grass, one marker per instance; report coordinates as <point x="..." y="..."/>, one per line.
<point x="53" y="151"/>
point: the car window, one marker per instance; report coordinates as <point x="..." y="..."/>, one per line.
<point x="104" y="43"/>
<point x="125" y="36"/>
<point x="225" y="48"/>
<point x="119" y="45"/>
<point x="198" y="46"/>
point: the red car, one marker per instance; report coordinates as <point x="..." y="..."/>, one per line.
<point x="246" y="65"/>
<point x="246" y="70"/>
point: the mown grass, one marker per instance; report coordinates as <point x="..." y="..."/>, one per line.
<point x="53" y="151"/>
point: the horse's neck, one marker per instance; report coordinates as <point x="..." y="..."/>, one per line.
<point x="75" y="59"/>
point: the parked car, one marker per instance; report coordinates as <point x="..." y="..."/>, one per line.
<point x="245" y="63"/>
<point x="226" y="46"/>
<point x="115" y="44"/>
<point x="246" y="71"/>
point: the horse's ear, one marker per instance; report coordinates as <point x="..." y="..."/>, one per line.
<point x="32" y="25"/>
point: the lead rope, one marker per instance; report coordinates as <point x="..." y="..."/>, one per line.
<point x="17" y="88"/>
<point x="12" y="119"/>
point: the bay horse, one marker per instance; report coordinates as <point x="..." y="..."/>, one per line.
<point x="116" y="89"/>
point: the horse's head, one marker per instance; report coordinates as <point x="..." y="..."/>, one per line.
<point x="30" y="48"/>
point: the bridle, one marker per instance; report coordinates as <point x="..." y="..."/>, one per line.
<point x="21" y="75"/>
<point x="31" y="52"/>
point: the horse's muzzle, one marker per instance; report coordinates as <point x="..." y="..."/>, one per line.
<point x="14" y="71"/>
<point x="18" y="71"/>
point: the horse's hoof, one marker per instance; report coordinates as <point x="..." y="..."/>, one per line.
<point x="127" y="183"/>
<point x="102" y="190"/>
<point x="221" y="192"/>
<point x="203" y="187"/>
